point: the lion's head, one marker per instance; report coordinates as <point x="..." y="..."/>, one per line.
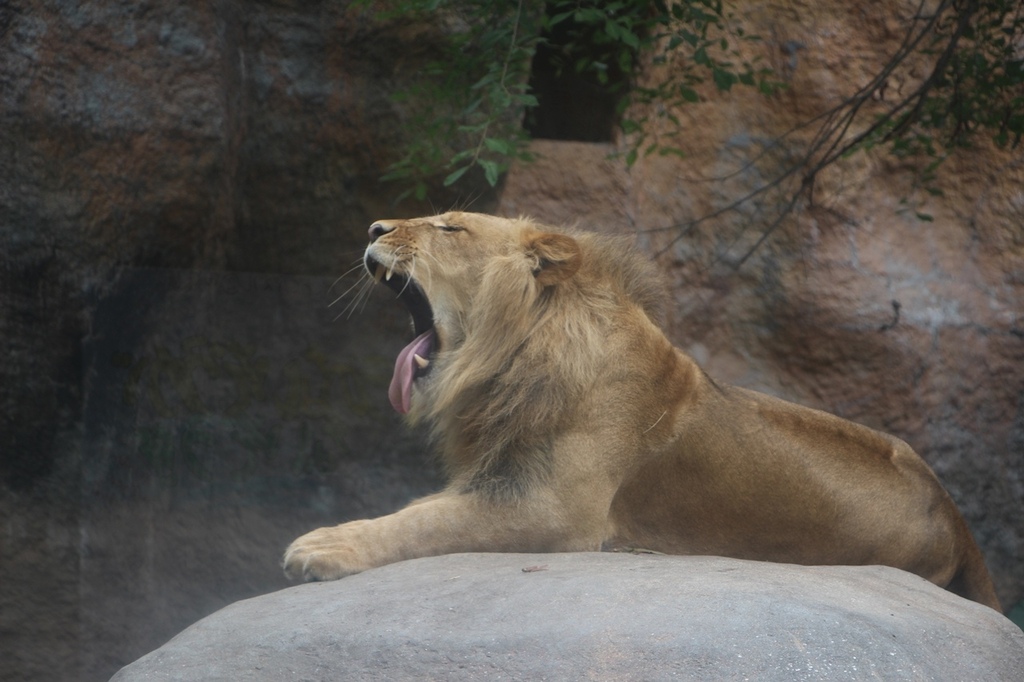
<point x="511" y="322"/>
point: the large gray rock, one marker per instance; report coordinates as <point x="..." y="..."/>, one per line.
<point x="598" y="616"/>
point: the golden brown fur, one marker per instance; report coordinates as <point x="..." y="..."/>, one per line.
<point x="567" y="421"/>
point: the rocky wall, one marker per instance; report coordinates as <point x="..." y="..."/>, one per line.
<point x="182" y="183"/>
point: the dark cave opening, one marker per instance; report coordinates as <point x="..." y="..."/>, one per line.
<point x="580" y="85"/>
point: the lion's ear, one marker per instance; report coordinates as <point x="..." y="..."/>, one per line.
<point x="557" y="257"/>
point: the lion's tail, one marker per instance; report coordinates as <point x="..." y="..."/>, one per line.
<point x="972" y="580"/>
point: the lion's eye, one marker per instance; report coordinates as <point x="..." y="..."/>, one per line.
<point x="450" y="228"/>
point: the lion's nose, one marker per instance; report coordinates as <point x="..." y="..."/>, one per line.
<point x="378" y="230"/>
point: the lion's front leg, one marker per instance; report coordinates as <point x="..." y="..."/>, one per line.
<point x="440" y="524"/>
<point x="330" y="553"/>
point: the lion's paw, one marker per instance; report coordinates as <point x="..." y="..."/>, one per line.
<point x="326" y="554"/>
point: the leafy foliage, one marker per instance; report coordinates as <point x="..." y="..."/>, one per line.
<point x="701" y="38"/>
<point x="467" y="107"/>
<point x="474" y="93"/>
<point x="972" y="51"/>
<point x="976" y="85"/>
<point x="468" y="99"/>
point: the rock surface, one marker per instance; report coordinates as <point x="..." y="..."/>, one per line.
<point x="597" y="616"/>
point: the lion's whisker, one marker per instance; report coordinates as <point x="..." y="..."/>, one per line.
<point x="358" y="265"/>
<point x="427" y="266"/>
<point x="362" y="295"/>
<point x="412" y="268"/>
<point x="358" y="282"/>
<point x="656" y="421"/>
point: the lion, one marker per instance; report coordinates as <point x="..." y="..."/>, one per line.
<point x="567" y="421"/>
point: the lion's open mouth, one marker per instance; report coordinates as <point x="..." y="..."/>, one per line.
<point x="414" y="360"/>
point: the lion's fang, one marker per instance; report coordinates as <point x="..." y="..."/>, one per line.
<point x="378" y="274"/>
<point x="390" y="272"/>
<point x="422" y="362"/>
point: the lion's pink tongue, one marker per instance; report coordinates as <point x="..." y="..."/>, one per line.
<point x="400" y="391"/>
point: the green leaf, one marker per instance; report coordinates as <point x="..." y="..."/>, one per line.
<point x="724" y="80"/>
<point x="454" y="176"/>
<point x="486" y="80"/>
<point x="560" y="17"/>
<point x="500" y="99"/>
<point x="690" y="37"/>
<point x="630" y="39"/>
<point x="629" y="126"/>
<point x="499" y="146"/>
<point x="528" y="100"/>
<point x="613" y="29"/>
<point x="491" y="171"/>
<point x="688" y="94"/>
<point x="589" y="16"/>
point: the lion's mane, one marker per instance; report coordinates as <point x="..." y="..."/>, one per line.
<point x="530" y="352"/>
